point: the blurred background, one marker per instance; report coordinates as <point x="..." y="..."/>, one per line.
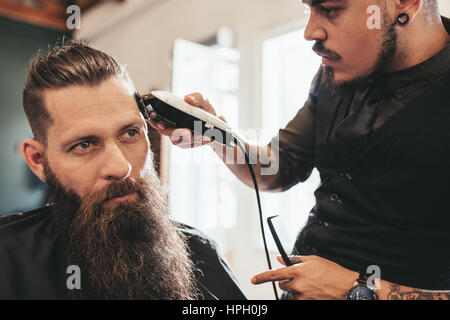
<point x="248" y="58"/>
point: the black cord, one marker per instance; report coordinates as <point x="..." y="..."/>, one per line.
<point x="261" y="220"/>
<point x="213" y="296"/>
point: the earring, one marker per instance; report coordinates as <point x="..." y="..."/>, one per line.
<point x="403" y="19"/>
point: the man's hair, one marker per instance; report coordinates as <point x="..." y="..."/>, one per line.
<point x="431" y="5"/>
<point x="72" y="63"/>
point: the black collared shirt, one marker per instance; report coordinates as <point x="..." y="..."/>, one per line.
<point x="384" y="196"/>
<point x="386" y="96"/>
<point x="33" y="266"/>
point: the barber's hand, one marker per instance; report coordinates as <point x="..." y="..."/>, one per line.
<point x="183" y="137"/>
<point x="311" y="278"/>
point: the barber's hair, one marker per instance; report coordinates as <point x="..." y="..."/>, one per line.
<point x="431" y="6"/>
<point x="69" y="64"/>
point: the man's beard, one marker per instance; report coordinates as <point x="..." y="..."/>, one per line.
<point x="389" y="49"/>
<point x="127" y="251"/>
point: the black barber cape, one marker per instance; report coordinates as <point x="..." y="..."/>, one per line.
<point x="32" y="266"/>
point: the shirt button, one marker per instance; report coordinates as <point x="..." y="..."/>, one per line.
<point x="322" y="223"/>
<point x="334" y="197"/>
<point x="372" y="101"/>
<point x="346" y="175"/>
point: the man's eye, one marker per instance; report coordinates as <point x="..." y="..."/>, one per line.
<point x="132" y="132"/>
<point x="85" y="144"/>
<point x="327" y="11"/>
<point x="130" y="135"/>
<point x="82" y="146"/>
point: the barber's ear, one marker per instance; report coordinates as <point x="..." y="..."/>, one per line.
<point x="411" y="7"/>
<point x="33" y="153"/>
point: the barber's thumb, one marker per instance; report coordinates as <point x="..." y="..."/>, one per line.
<point x="194" y="99"/>
<point x="222" y="118"/>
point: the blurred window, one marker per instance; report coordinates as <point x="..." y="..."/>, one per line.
<point x="201" y="186"/>
<point x="288" y="67"/>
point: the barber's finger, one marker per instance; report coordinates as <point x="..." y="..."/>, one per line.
<point x="153" y="124"/>
<point x="179" y="135"/>
<point x="285" y="285"/>
<point x="196" y="141"/>
<point x="157" y="124"/>
<point x="222" y="118"/>
<point x="297" y="259"/>
<point x="183" y="138"/>
<point x="197" y="100"/>
<point x="206" y="140"/>
<point x="298" y="296"/>
<point x="280" y="260"/>
<point x="273" y="275"/>
<point x="166" y="132"/>
<point x="194" y="99"/>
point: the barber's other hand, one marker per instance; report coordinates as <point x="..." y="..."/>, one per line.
<point x="183" y="137"/>
<point x="311" y="278"/>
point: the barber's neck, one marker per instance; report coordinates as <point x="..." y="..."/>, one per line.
<point x="418" y="42"/>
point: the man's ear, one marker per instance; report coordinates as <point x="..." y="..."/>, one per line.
<point x="33" y="153"/>
<point x="411" y="7"/>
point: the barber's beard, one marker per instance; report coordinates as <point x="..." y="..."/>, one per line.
<point x="388" y="50"/>
<point x="127" y="251"/>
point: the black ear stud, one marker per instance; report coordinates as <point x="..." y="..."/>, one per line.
<point x="403" y="19"/>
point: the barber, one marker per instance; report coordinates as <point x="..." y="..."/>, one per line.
<point x="375" y="125"/>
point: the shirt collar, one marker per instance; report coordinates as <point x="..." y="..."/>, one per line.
<point x="416" y="78"/>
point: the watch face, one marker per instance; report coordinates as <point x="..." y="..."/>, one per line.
<point x="361" y="292"/>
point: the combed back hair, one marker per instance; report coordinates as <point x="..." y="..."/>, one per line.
<point x="72" y="63"/>
<point x="431" y="11"/>
<point x="431" y="6"/>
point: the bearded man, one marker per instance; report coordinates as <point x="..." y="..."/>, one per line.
<point x="108" y="217"/>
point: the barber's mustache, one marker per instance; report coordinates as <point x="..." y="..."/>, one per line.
<point x="319" y="48"/>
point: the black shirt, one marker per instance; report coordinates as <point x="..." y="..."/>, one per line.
<point x="32" y="265"/>
<point x="383" y="157"/>
<point x="386" y="96"/>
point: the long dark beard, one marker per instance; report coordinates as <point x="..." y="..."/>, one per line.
<point x="389" y="49"/>
<point x="127" y="251"/>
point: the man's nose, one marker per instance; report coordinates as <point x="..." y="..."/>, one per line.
<point x="115" y="165"/>
<point x="314" y="31"/>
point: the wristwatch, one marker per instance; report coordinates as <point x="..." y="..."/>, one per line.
<point x="360" y="290"/>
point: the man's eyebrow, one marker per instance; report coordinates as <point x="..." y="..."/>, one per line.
<point x="78" y="139"/>
<point x="314" y="3"/>
<point x="135" y="123"/>
<point x="129" y="125"/>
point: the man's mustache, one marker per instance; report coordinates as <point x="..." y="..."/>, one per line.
<point x="115" y="190"/>
<point x="319" y="48"/>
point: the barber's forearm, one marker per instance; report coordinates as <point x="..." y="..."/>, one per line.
<point x="392" y="291"/>
<point x="235" y="161"/>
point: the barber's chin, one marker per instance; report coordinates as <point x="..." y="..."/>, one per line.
<point x="340" y="76"/>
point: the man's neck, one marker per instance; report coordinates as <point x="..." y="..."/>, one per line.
<point x="418" y="45"/>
